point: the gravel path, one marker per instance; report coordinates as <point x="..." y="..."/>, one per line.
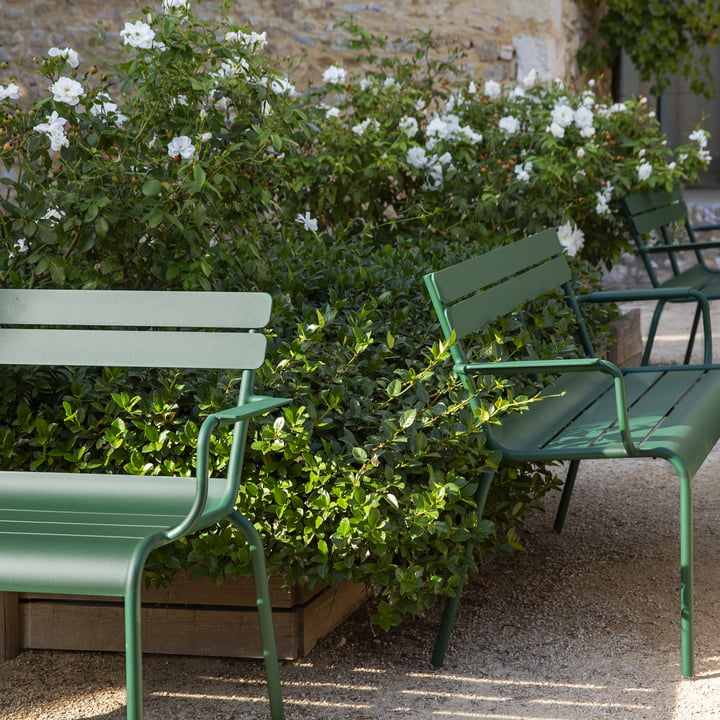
<point x="583" y="625"/>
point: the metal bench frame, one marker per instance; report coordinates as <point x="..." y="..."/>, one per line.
<point x="90" y="534"/>
<point x="659" y="224"/>
<point x="588" y="407"/>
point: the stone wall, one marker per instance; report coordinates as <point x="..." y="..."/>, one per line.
<point x="504" y="39"/>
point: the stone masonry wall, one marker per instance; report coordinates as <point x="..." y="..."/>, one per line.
<point x="505" y="39"/>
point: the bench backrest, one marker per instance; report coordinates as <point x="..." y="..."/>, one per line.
<point x="659" y="224"/>
<point x="470" y="295"/>
<point x="140" y="329"/>
<point x="133" y="328"/>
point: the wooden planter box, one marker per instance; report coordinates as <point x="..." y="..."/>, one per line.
<point x="628" y="347"/>
<point x="193" y="617"/>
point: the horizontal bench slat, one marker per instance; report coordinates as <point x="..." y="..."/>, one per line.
<point x="475" y="312"/>
<point x="644" y="201"/>
<point x="468" y="277"/>
<point x="135" y="308"/>
<point x="667" y="215"/>
<point x="132" y="348"/>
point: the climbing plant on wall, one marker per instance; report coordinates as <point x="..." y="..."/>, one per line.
<point x="661" y="37"/>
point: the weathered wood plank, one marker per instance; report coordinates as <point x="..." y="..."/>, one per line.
<point x="204" y="626"/>
<point x="327" y="612"/>
<point x="9" y="625"/>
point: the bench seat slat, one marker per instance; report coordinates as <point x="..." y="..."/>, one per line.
<point x="46" y="520"/>
<point x="698" y="277"/>
<point x="561" y="402"/>
<point x="575" y="411"/>
<point x="660" y="408"/>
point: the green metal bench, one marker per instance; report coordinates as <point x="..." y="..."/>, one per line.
<point x="659" y="224"/>
<point x="90" y="534"/>
<point x="588" y="407"/>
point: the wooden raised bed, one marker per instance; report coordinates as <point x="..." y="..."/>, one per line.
<point x="193" y="617"/>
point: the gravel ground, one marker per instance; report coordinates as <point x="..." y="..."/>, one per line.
<point x="582" y="625"/>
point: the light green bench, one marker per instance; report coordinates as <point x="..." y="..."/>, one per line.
<point x="90" y="534"/>
<point x="588" y="408"/>
<point x="659" y="224"/>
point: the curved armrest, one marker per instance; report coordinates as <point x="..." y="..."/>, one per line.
<point x="673" y="293"/>
<point x="523" y="367"/>
<point x="255" y="405"/>
<point x="682" y="294"/>
<point x="684" y="246"/>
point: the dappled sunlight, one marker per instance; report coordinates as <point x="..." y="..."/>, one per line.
<point x="381" y="690"/>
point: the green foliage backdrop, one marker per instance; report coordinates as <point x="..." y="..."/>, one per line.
<point x="194" y="163"/>
<point x="661" y="37"/>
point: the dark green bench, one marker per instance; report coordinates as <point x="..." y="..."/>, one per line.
<point x="659" y="224"/>
<point x="90" y="534"/>
<point x="587" y="407"/>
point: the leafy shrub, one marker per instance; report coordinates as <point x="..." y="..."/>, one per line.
<point x="205" y="170"/>
<point x="147" y="171"/>
<point x="415" y="147"/>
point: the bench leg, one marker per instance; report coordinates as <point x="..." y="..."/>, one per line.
<point x="565" y="497"/>
<point x="451" y="605"/>
<point x="264" y="606"/>
<point x="652" y="330"/>
<point x="693" y="332"/>
<point x="133" y="653"/>
<point x="686" y="574"/>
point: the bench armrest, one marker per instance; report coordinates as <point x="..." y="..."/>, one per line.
<point x="254" y="405"/>
<point x="524" y="367"/>
<point x="507" y="368"/>
<point x="679" y="247"/>
<point x="674" y="293"/>
<point x="680" y="294"/>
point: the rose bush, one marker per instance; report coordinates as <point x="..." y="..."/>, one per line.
<point x="193" y="163"/>
<point x="145" y="171"/>
<point x="414" y="146"/>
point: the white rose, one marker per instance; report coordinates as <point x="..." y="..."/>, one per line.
<point x="182" y="146"/>
<point x="72" y="58"/>
<point x="67" y="90"/>
<point x="571" y="238"/>
<point x="509" y="124"/>
<point x="493" y="89"/>
<point x="334" y="75"/>
<point x="644" y="171"/>
<point x="9" y="92"/>
<point x="563" y="115"/>
<point x="138" y="34"/>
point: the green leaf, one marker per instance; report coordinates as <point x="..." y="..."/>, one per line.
<point x="199" y="177"/>
<point x="156" y="218"/>
<point x="408" y="418"/>
<point x="152" y="187"/>
<point x="101" y="227"/>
